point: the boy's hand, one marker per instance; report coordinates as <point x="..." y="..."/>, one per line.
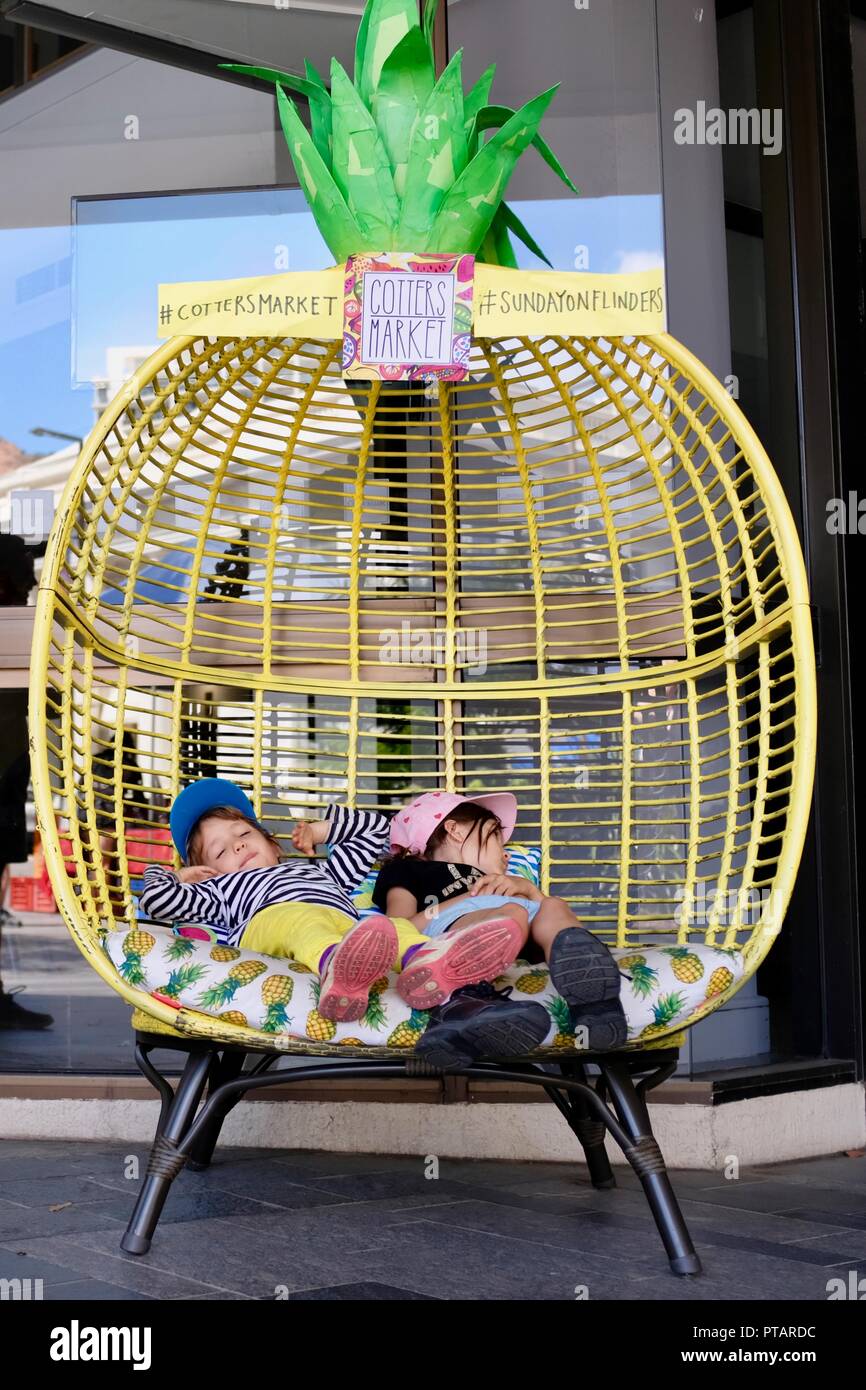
<point x="197" y="874"/>
<point x="508" y="885"/>
<point x="309" y="833"/>
<point x="302" y="837"/>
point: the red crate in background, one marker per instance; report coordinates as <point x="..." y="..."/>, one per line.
<point x="21" y="894"/>
<point x="144" y="845"/>
<point x="43" y="898"/>
<point x="148" y="846"/>
<point x="29" y="885"/>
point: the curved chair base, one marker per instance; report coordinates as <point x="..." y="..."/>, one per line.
<point x="188" y="1130"/>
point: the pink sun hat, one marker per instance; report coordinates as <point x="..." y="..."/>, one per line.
<point x="412" y="827"/>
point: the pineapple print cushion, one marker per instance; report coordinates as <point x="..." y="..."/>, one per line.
<point x="663" y="987"/>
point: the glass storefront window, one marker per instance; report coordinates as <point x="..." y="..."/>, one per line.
<point x="46" y="49"/>
<point x="127" y="172"/>
<point x="280" y="34"/>
<point x="105" y="126"/>
<point x="26" y="53"/>
<point x="742" y="165"/>
<point x="8" y="55"/>
<point x="148" y="173"/>
<point x="603" y="122"/>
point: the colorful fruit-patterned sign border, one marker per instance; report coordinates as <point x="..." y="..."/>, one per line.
<point x="407" y="317"/>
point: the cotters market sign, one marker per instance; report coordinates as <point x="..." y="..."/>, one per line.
<point x="503" y="302"/>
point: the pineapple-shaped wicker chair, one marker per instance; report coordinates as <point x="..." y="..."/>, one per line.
<point x="572" y="574"/>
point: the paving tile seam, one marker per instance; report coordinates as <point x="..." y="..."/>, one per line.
<point x="714" y="1239"/>
<point x="123" y="1260"/>
<point x="238" y="1217"/>
<point x="817" y="1213"/>
<point x="235" y="1293"/>
<point x="75" y="1279"/>
<point x="696" y="1223"/>
<point x="106" y="1223"/>
<point x="348" y="1203"/>
<point x="63" y="1206"/>
<point x="262" y="1201"/>
<point x="514" y="1239"/>
<point x="22" y="1206"/>
<point x="634" y="1263"/>
<point x="766" y="1249"/>
<point x="239" y="1196"/>
<point x="824" y="1235"/>
<point x="804" y="1184"/>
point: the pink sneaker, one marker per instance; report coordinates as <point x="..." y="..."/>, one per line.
<point x="367" y="951"/>
<point x="465" y="957"/>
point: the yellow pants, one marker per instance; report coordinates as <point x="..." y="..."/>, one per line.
<point x="303" y="931"/>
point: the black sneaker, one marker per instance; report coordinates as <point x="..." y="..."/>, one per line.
<point x="605" y="1024"/>
<point x="479" y="1021"/>
<point x="12" y="1015"/>
<point x="582" y="968"/>
<point x="587" y="976"/>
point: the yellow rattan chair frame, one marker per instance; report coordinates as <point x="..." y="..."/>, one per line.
<point x="575" y="575"/>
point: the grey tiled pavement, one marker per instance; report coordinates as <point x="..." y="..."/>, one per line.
<point x="261" y="1224"/>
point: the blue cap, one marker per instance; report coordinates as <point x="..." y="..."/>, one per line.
<point x="200" y="797"/>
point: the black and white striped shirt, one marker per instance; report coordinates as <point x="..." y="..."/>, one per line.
<point x="229" y="902"/>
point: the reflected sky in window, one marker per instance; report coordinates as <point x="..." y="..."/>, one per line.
<point x="73" y="297"/>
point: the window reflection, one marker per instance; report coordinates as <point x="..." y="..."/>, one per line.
<point x="96" y="227"/>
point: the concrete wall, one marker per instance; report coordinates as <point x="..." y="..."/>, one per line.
<point x="67" y="135"/>
<point x="694" y="204"/>
<point x="770" y="1129"/>
<point x="603" y="121"/>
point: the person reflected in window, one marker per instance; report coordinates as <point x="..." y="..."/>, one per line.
<point x="134" y="807"/>
<point x="17" y="569"/>
<point x="17" y="579"/>
<point x="14" y="848"/>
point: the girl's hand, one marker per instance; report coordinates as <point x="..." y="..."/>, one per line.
<point x="508" y="885"/>
<point x="197" y="874"/>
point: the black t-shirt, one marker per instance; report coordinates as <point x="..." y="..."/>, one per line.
<point x="428" y="880"/>
<point x="14" y="773"/>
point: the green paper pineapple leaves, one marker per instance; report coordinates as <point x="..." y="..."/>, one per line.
<point x="396" y="160"/>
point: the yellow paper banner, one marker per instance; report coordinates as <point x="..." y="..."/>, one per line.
<point x="303" y="302"/>
<point x="530" y="302"/>
<point x="507" y="303"/>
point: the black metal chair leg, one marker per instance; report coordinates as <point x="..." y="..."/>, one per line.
<point x="157" y="1080"/>
<point x="165" y="1163"/>
<point x="589" y="1130"/>
<point x="647" y="1160"/>
<point x="183" y="1132"/>
<point x="223" y="1068"/>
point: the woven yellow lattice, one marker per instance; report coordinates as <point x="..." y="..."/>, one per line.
<point x="574" y="575"/>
